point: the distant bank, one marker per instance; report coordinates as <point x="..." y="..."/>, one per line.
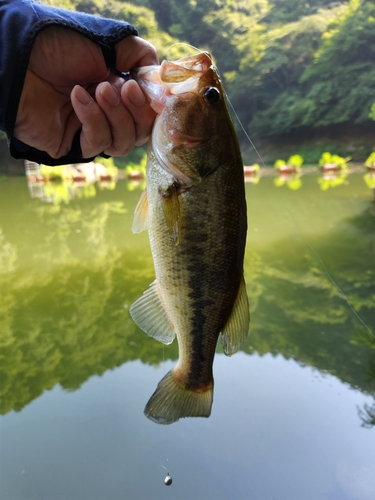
<point x="356" y="141"/>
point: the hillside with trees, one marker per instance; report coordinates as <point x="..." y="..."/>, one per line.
<point x="294" y="71"/>
<point x="297" y="73"/>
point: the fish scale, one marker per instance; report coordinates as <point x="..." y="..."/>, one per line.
<point x="196" y="219"/>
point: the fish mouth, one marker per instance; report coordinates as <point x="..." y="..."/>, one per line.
<point x="172" y="78"/>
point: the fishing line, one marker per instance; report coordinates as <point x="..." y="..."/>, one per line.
<point x="199" y="51"/>
<point x="327" y="273"/>
<point x="243" y="129"/>
<point x="301" y="233"/>
<point x="168" y="478"/>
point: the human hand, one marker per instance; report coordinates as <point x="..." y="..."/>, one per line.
<point x="68" y="86"/>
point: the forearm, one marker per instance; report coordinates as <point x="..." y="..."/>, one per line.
<point x="20" y="23"/>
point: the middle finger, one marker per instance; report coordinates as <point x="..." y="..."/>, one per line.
<point x="119" y="118"/>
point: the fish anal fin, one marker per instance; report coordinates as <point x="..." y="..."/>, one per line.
<point x="236" y="329"/>
<point x="141" y="214"/>
<point x="171" y="209"/>
<point x="172" y="401"/>
<point x="149" y="314"/>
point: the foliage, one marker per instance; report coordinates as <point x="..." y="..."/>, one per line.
<point x="279" y="163"/>
<point x="292" y="10"/>
<point x="65" y="4"/>
<point x="295" y="161"/>
<point x="65" y="297"/>
<point x="367" y="415"/>
<point x="287" y="65"/>
<point x="332" y="181"/>
<point x="369" y="180"/>
<point x="63" y="319"/>
<point x="136" y="157"/>
<point x="137" y="13"/>
<point x="370" y="162"/>
<point x="286" y="72"/>
<point x="343" y="92"/>
<point x="294" y="64"/>
<point x="330" y="159"/>
<point x="293" y="182"/>
<point x="276" y="99"/>
<point x="372" y="112"/>
<point x="138" y="168"/>
<point x="58" y="172"/>
<point x="109" y="164"/>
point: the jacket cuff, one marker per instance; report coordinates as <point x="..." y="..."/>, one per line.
<point x="22" y="151"/>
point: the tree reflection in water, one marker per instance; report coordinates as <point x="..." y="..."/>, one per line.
<point x="367" y="415"/>
<point x="68" y="274"/>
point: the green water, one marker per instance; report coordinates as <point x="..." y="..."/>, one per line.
<point x="293" y="410"/>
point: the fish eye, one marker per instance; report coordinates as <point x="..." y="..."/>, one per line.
<point x="211" y="95"/>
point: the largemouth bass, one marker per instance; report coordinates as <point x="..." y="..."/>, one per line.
<point x="195" y="210"/>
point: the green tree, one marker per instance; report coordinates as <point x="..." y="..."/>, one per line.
<point x="341" y="81"/>
<point x="283" y="12"/>
<point x="271" y="87"/>
<point x="138" y="13"/>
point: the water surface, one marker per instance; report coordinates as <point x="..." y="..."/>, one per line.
<point x="293" y="411"/>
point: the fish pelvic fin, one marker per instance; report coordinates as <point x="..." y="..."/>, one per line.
<point x="236" y="329"/>
<point x="172" y="401"/>
<point x="141" y="214"/>
<point x="149" y="314"/>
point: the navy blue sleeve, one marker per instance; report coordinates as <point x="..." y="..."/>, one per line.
<point x="20" y="23"/>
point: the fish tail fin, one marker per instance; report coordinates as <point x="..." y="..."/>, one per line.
<point x="172" y="401"/>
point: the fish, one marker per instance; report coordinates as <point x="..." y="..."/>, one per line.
<point x="194" y="208"/>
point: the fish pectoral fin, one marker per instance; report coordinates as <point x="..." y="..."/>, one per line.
<point x="171" y="209"/>
<point x="236" y="329"/>
<point x="172" y="401"/>
<point x="141" y="214"/>
<point x="149" y="314"/>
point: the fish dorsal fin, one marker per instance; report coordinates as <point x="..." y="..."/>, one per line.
<point x="149" y="314"/>
<point x="141" y="214"/>
<point x="236" y="329"/>
<point x="171" y="208"/>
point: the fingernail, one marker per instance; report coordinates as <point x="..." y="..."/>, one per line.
<point x="83" y="96"/>
<point x="109" y="94"/>
<point x="135" y="95"/>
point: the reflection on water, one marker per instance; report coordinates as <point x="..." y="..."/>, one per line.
<point x="292" y="181"/>
<point x="369" y="178"/>
<point x="332" y="180"/>
<point x="68" y="274"/>
<point x="367" y="415"/>
<point x="68" y="188"/>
